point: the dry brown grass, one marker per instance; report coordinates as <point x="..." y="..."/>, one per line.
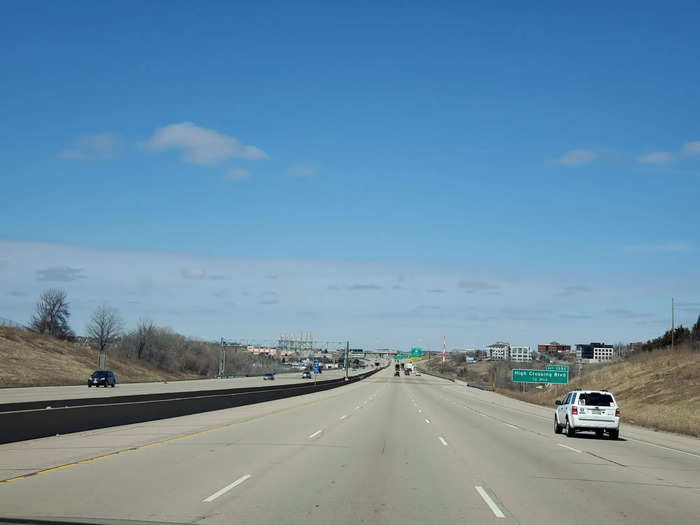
<point x="31" y="359"/>
<point x="659" y="389"/>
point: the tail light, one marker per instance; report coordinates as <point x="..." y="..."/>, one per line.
<point x="617" y="412"/>
<point x="574" y="410"/>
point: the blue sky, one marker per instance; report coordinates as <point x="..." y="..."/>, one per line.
<point x="540" y="168"/>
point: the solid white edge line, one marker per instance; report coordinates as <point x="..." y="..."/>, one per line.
<point x="442" y="440"/>
<point x="570" y="448"/>
<point x="315" y="434"/>
<point x="226" y="489"/>
<point x="665" y="448"/>
<point x="494" y="508"/>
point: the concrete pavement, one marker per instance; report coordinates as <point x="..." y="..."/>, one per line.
<point x="17" y="395"/>
<point x="384" y="450"/>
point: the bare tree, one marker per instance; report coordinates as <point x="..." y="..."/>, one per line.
<point x="144" y="335"/>
<point x="52" y="313"/>
<point x="105" y="326"/>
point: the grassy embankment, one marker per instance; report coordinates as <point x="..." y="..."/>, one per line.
<point x="659" y="389"/>
<point x="31" y="359"/>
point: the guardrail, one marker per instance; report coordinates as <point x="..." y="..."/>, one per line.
<point x="422" y="371"/>
<point x="35" y="419"/>
<point x="480" y="386"/>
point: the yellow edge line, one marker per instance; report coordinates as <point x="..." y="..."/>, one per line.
<point x="163" y="441"/>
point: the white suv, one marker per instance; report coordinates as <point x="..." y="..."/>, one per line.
<point x="594" y="410"/>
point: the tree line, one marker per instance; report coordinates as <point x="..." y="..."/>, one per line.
<point x="681" y="336"/>
<point x="147" y="342"/>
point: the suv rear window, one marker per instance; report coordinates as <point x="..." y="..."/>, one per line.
<point x="595" y="399"/>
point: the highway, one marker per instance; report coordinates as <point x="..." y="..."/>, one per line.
<point x="19" y="395"/>
<point x="386" y="450"/>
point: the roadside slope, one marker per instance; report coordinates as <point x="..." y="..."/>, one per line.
<point x="659" y="389"/>
<point x="31" y="359"/>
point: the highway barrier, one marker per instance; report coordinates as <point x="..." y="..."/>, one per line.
<point x="35" y="419"/>
<point x="480" y="386"/>
<point x="423" y="371"/>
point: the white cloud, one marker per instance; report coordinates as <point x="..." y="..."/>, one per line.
<point x="236" y="175"/>
<point x="656" y="157"/>
<point x="305" y="169"/>
<point x="577" y="157"/>
<point x="692" y="148"/>
<point x="201" y="145"/>
<point x="100" y="146"/>
<point x="196" y="274"/>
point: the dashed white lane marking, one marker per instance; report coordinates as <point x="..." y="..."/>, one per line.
<point x="420" y="411"/>
<point x="494" y="508"/>
<point x="343" y="417"/>
<point x="569" y="448"/>
<point x="427" y="421"/>
<point x="511" y="426"/>
<point x="226" y="489"/>
<point x="315" y="434"/>
<point x="442" y="440"/>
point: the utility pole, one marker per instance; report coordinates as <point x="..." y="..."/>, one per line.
<point x="222" y="359"/>
<point x="673" y="323"/>
<point x="443" y="353"/>
<point x="347" y="351"/>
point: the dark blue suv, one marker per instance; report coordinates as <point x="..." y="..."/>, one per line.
<point x="102" y="378"/>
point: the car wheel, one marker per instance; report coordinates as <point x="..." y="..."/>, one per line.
<point x="89" y="386"/>
<point x="570" y="431"/>
<point x="113" y="385"/>
<point x="557" y="426"/>
<point x="599" y="433"/>
<point x="614" y="434"/>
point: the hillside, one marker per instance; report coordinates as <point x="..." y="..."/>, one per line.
<point x="31" y="359"/>
<point x="658" y="389"/>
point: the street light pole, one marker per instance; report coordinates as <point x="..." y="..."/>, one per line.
<point x="673" y="323"/>
<point x="347" y="351"/>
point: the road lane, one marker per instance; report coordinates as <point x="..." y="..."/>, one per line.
<point x="364" y="453"/>
<point x="522" y="456"/>
<point x="24" y="394"/>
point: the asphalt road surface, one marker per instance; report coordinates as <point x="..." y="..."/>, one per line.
<point x="17" y="395"/>
<point x="384" y="450"/>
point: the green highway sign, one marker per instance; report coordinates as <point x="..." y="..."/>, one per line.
<point x="522" y="375"/>
<point x="559" y="368"/>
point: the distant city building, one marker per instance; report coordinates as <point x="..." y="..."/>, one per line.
<point x="603" y="353"/>
<point x="498" y="350"/>
<point x="595" y="352"/>
<point x="554" y="347"/>
<point x="272" y="352"/>
<point x="634" y="347"/>
<point x="520" y="353"/>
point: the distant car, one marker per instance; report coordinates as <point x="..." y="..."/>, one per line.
<point x="271" y="377"/>
<point x="103" y="378"/>
<point x="417" y="374"/>
<point x="588" y="410"/>
<point x="397" y="373"/>
<point x="306" y="375"/>
<point x="407" y="372"/>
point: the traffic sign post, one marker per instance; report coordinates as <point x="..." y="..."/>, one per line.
<point x="525" y="375"/>
<point x="315" y="371"/>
